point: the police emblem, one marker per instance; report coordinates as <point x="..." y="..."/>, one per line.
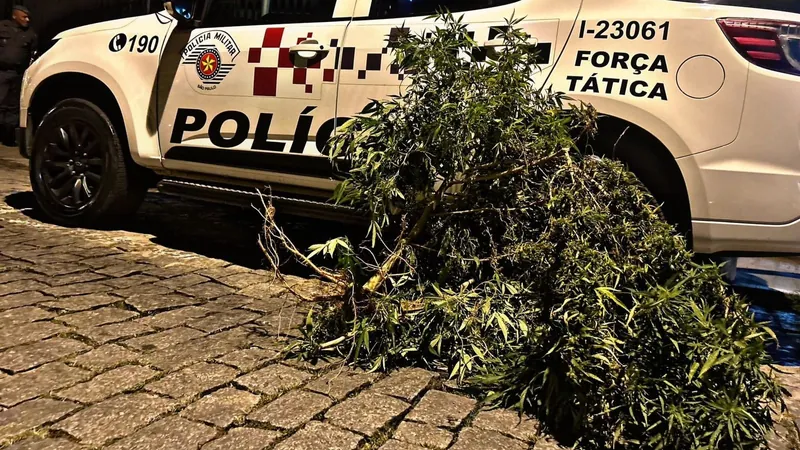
<point x="207" y="52"/>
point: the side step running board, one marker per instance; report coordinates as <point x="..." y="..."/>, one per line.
<point x="239" y="196"/>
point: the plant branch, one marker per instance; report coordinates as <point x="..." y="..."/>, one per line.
<point x="272" y="231"/>
<point x="505" y="173"/>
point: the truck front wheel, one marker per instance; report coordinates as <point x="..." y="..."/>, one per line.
<point x="79" y="173"/>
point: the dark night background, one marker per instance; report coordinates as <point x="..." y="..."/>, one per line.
<point x="50" y="17"/>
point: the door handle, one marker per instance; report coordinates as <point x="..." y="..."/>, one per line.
<point x="309" y="49"/>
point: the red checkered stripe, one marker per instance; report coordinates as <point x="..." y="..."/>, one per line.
<point x="265" y="78"/>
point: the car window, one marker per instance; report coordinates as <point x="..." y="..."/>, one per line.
<point x="228" y="13"/>
<point x="407" y="8"/>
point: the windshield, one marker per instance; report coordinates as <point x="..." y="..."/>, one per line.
<point x="792" y="6"/>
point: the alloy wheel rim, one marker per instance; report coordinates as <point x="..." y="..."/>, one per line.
<point x="73" y="164"/>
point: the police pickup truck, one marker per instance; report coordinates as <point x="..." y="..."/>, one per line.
<point x="213" y="98"/>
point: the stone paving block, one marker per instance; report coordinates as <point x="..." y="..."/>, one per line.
<point x="106" y="357"/>
<point x="244" y="439"/>
<point x="114" y="331"/>
<point x="278" y="344"/>
<point x="228" y="302"/>
<point x="244" y="280"/>
<point x="74" y="278"/>
<point x="285" y="323"/>
<point x="201" y="349"/>
<point x="508" y="422"/>
<point x="9" y="264"/>
<point x="109" y="384"/>
<point x="152" y="302"/>
<point x="248" y="359"/>
<point x="99" y="261"/>
<point x="218" y="273"/>
<point x="47" y="258"/>
<point x="16" y="275"/>
<point x="170" y="319"/>
<point x="394" y="444"/>
<point x="477" y="439"/>
<point x="310" y="289"/>
<point x="55" y="243"/>
<point x="547" y="443"/>
<point x="777" y="439"/>
<point x="24" y="357"/>
<point x="92" y="287"/>
<point x="97" y="250"/>
<point x="208" y="290"/>
<point x="104" y="421"/>
<point x="341" y="382"/>
<point x="366" y="413"/>
<point x="30" y="332"/>
<point x="442" y="409"/>
<point x="97" y="317"/>
<point x="35" y="443"/>
<point x="32" y="414"/>
<point x="23" y="299"/>
<point x="317" y="365"/>
<point x="183" y="281"/>
<point x="193" y="380"/>
<point x="20" y="249"/>
<point x="144" y="289"/>
<point x="53" y="269"/>
<point x="424" y="435"/>
<point x="121" y="270"/>
<point x="291" y="409"/>
<point x="273" y="305"/>
<point x="16" y="287"/>
<point x="25" y="386"/>
<point x="264" y="291"/>
<point x="82" y="302"/>
<point x="405" y="383"/>
<point x="222" y="320"/>
<point x="318" y="436"/>
<point x="130" y="281"/>
<point x="171" y="271"/>
<point x="26" y="314"/>
<point x="223" y="407"/>
<point x="163" y="339"/>
<point x="273" y="380"/>
<point x="167" y="434"/>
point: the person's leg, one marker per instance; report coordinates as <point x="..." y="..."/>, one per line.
<point x="11" y="118"/>
<point x="6" y="106"/>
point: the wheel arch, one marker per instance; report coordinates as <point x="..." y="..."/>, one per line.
<point x="65" y="85"/>
<point x="654" y="164"/>
<point x="61" y="86"/>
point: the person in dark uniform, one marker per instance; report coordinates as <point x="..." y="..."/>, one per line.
<point x="17" y="46"/>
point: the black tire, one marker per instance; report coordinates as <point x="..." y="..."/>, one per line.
<point x="78" y="168"/>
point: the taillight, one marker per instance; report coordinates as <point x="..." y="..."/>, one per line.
<point x="770" y="44"/>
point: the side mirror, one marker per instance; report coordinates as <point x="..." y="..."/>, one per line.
<point x="183" y="10"/>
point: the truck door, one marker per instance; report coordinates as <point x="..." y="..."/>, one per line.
<point x="247" y="92"/>
<point x="367" y="71"/>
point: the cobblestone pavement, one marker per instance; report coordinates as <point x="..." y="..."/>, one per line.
<point x="166" y="335"/>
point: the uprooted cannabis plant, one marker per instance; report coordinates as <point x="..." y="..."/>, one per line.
<point x="501" y="252"/>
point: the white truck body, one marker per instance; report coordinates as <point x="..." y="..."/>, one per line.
<point x="240" y="102"/>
